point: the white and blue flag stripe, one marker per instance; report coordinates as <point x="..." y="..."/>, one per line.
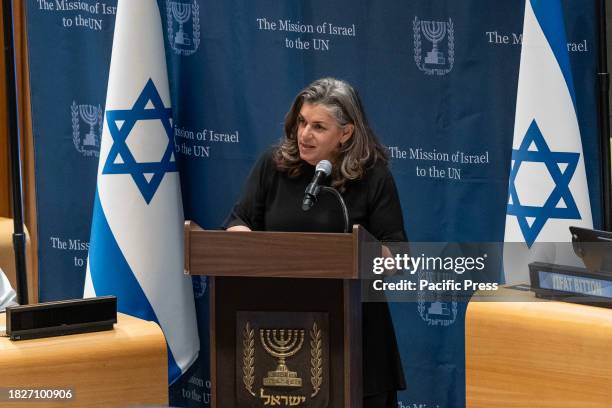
<point x="136" y="247"/>
<point x="548" y="189"/>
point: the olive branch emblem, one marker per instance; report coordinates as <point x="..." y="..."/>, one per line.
<point x="316" y="359"/>
<point x="248" y="358"/>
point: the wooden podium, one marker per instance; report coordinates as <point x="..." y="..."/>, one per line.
<point x="526" y="352"/>
<point x="126" y="366"/>
<point x="280" y="273"/>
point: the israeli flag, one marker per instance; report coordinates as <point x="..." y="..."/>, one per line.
<point x="136" y="247"/>
<point x="548" y="189"/>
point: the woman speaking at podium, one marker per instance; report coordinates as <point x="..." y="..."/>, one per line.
<point x="326" y="122"/>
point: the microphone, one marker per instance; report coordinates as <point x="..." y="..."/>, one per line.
<point x="322" y="170"/>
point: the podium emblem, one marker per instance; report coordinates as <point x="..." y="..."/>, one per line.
<point x="282" y="344"/>
<point x="436" y="61"/>
<point x="282" y="359"/>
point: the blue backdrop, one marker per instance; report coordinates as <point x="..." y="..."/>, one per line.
<point x="235" y="67"/>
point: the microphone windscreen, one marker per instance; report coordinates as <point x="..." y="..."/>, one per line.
<point x="325" y="166"/>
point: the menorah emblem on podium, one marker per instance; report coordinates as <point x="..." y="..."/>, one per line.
<point x="89" y="114"/>
<point x="282" y="344"/>
<point x="434" y="31"/>
<point x="181" y="13"/>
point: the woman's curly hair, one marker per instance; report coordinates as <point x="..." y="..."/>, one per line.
<point x="356" y="155"/>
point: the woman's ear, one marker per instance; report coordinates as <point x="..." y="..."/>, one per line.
<point x="347" y="133"/>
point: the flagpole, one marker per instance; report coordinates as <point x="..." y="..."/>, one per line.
<point x="603" y="79"/>
<point x="19" y="239"/>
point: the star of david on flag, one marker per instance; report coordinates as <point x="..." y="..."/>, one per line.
<point x="560" y="204"/>
<point x="149" y="175"/>
<point x="547" y="189"/>
<point x="136" y="246"/>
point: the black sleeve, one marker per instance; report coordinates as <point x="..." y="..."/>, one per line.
<point x="386" y="222"/>
<point x="250" y="208"/>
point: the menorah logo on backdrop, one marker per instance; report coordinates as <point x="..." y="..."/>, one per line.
<point x="88" y="144"/>
<point x="183" y="26"/>
<point x="437" y="308"/>
<point x="439" y="54"/>
<point x="200" y="284"/>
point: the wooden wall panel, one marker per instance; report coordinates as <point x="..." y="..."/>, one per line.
<point x="27" y="145"/>
<point x="4" y="163"/>
<point x="27" y="149"/>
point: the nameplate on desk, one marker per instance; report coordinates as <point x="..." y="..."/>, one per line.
<point x="571" y="284"/>
<point x="61" y="317"/>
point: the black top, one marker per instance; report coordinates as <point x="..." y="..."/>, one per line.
<point x="272" y="201"/>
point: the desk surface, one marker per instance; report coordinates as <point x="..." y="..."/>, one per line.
<point x="529" y="352"/>
<point x="120" y="367"/>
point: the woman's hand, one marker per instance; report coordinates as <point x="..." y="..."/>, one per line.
<point x="386" y="253"/>
<point x="239" y="228"/>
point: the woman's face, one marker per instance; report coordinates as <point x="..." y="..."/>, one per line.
<point x="319" y="134"/>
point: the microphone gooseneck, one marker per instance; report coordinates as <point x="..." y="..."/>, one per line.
<point x="322" y="170"/>
<point x="338" y="196"/>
